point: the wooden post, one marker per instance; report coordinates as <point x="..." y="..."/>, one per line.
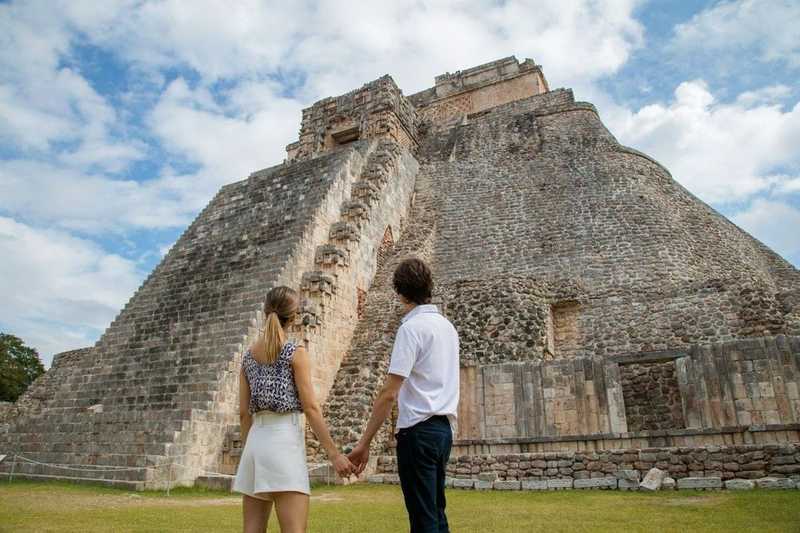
<point x="169" y="476"/>
<point x="13" y="467"/>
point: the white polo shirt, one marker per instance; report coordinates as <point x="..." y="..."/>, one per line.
<point x="426" y="354"/>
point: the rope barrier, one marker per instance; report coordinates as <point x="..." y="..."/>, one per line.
<point x="88" y="468"/>
<point x="97" y="469"/>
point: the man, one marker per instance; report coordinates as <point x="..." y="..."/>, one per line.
<point x="423" y="378"/>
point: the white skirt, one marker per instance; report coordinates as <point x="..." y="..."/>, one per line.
<point x="274" y="456"/>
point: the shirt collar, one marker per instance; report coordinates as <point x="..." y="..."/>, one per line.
<point x="424" y="308"/>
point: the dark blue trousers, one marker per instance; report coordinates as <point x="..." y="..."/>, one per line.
<point x="422" y="454"/>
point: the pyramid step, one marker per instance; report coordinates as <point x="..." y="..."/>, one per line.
<point x="215" y="482"/>
<point x="345" y="232"/>
<point x="330" y="255"/>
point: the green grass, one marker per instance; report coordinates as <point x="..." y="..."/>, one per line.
<point x="39" y="506"/>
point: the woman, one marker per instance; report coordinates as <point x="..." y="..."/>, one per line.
<point x="274" y="388"/>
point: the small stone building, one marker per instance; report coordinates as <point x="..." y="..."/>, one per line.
<point x="609" y="320"/>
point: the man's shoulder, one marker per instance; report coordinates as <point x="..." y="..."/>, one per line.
<point x="428" y="322"/>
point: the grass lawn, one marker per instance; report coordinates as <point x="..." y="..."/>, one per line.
<point x="42" y="506"/>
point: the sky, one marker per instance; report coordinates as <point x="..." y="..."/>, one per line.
<point x="119" y="120"/>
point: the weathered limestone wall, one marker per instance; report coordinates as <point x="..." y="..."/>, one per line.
<point x="652" y="396"/>
<point x="548" y="194"/>
<point x="540" y="399"/>
<point x="488" y="333"/>
<point x="737" y="384"/>
<point x="477" y="89"/>
<point x="622" y="468"/>
<point x="8" y="412"/>
<point x="556" y="254"/>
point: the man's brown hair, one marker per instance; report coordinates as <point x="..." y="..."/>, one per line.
<point x="413" y="280"/>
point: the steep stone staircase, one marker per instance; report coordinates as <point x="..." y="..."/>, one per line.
<point x="161" y="384"/>
<point x="342" y="267"/>
<point x="362" y="371"/>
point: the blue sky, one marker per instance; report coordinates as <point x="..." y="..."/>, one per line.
<point x="120" y="120"/>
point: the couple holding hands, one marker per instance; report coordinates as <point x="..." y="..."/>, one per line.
<point x="275" y="388"/>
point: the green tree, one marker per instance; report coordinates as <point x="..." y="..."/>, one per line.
<point x="19" y="366"/>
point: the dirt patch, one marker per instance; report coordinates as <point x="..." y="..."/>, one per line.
<point x="693" y="501"/>
<point x="328" y="497"/>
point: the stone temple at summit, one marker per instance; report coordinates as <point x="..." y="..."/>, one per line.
<point x="610" y="321"/>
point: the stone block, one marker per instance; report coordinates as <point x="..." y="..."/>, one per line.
<point x="775" y="483"/>
<point x="699" y="483"/>
<point x="628" y="475"/>
<point x="463" y="483"/>
<point x="653" y="480"/>
<point x="391" y="479"/>
<point x="740" y="484"/>
<point x="596" y="483"/>
<point x="481" y="484"/>
<point x="487" y="476"/>
<point x="669" y="483"/>
<point x="786" y="469"/>
<point x="448" y="482"/>
<point x="626" y="484"/>
<point x="559" y="484"/>
<point x="506" y="485"/>
<point x="534" y="484"/>
<point x="375" y="478"/>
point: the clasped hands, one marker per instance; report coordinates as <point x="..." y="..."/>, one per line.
<point x="353" y="463"/>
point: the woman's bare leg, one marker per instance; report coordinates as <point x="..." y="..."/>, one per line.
<point x="292" y="511"/>
<point x="255" y="514"/>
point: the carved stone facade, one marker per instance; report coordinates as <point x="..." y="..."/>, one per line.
<point x="378" y="109"/>
<point x="606" y="315"/>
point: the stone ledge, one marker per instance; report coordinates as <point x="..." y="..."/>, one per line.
<point x="215" y="482"/>
<point x="596" y="483"/>
<point x="699" y="483"/>
<point x="603" y="483"/>
<point x="775" y="483"/>
<point x="506" y="485"/>
<point x="755" y="428"/>
<point x="559" y="484"/>
<point x="740" y="484"/>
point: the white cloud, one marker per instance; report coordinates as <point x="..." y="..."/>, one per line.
<point x="775" y="223"/>
<point x="59" y="291"/>
<point x="774" y="94"/>
<point x="342" y="43"/>
<point x="721" y="152"/>
<point x="229" y="141"/>
<point x="788" y="185"/>
<point x="48" y="194"/>
<point x="243" y="126"/>
<point x="769" y="27"/>
<point x="51" y="110"/>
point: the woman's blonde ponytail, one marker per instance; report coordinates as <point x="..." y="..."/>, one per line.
<point x="274" y="338"/>
<point x="280" y="309"/>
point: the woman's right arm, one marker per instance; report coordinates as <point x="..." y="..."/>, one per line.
<point x="305" y="390"/>
<point x="245" y="418"/>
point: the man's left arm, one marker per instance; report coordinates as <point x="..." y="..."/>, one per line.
<point x="380" y="412"/>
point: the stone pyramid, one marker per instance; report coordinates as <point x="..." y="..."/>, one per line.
<point x="609" y="320"/>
